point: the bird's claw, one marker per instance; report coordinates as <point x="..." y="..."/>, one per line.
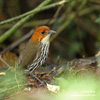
<point x="34" y="76"/>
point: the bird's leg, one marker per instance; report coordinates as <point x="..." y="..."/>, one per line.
<point x="34" y="76"/>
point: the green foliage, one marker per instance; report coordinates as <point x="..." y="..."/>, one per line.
<point x="98" y="19"/>
<point x="79" y="88"/>
<point x="12" y="82"/>
<point x="76" y="85"/>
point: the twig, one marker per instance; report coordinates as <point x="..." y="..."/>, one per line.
<point x="28" y="24"/>
<point x="5" y="62"/>
<point x="56" y="15"/>
<point x="95" y="1"/>
<point x="22" y="22"/>
<point x="13" y="45"/>
<point x="91" y="29"/>
<point x="27" y="18"/>
<point x="34" y="10"/>
<point x="71" y="17"/>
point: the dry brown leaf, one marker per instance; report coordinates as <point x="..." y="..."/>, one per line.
<point x="2" y="73"/>
<point x="10" y="58"/>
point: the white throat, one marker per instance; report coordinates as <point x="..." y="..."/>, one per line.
<point x="46" y="39"/>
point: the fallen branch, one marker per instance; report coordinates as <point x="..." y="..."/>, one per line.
<point x="2" y="60"/>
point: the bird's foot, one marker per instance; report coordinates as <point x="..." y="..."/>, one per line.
<point x="34" y="76"/>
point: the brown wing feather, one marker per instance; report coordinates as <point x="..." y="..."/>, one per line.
<point x="29" y="53"/>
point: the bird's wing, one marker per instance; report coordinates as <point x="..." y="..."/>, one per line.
<point x="29" y="53"/>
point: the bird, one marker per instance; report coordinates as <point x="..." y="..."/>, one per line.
<point x="36" y="50"/>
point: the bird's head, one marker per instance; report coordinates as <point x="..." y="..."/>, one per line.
<point x="42" y="34"/>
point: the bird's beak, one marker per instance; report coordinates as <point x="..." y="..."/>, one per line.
<point x="52" y="32"/>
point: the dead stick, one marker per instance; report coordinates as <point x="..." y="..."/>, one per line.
<point x="13" y="45"/>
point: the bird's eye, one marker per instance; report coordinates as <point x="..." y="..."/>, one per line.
<point x="42" y="32"/>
